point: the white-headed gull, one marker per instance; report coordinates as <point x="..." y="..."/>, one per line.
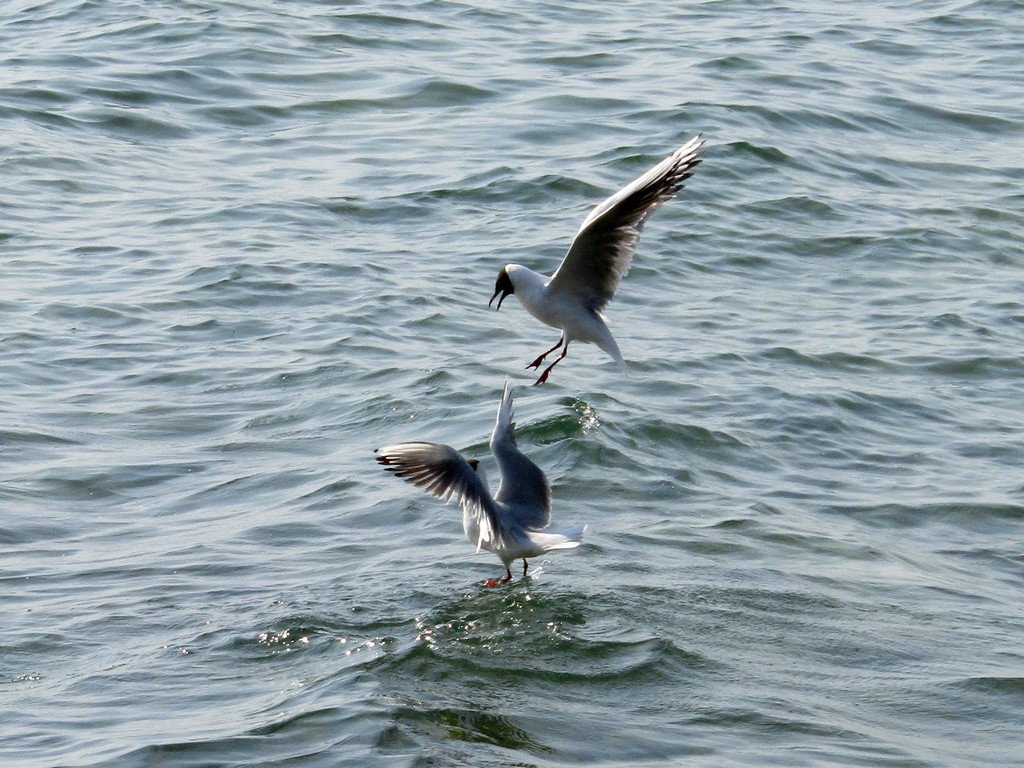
<point x="599" y="257"/>
<point x="508" y="523"/>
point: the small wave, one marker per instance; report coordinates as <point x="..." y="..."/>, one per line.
<point x="731" y="64"/>
<point x="839" y="361"/>
<point x="465" y="724"/>
<point x="983" y="123"/>
<point x="134" y="125"/>
<point x="962" y="514"/>
<point x="1012" y="686"/>
<point x="313" y="736"/>
<point x="686" y="437"/>
<point x="583" y="62"/>
<point x="34" y="437"/>
<point x="524" y="635"/>
<point x="765" y="723"/>
<point x="983" y="366"/>
<point x="433" y="94"/>
<point x="550" y="430"/>
<point x="762" y="152"/>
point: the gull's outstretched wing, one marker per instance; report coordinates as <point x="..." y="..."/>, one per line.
<point x="446" y="473"/>
<point x="601" y="254"/>
<point x="523" y="487"/>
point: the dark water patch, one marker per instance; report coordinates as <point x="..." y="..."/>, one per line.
<point x="245" y="115"/>
<point x="313" y="737"/>
<point x="40" y="643"/>
<point x="428" y="94"/>
<point x="905" y="52"/>
<point x="584" y="62"/>
<point x="38" y="96"/>
<point x="284" y="533"/>
<point x="201" y="325"/>
<point x="686" y="438"/>
<point x="981" y="367"/>
<point x="931" y="116"/>
<point x="129" y="124"/>
<point x="326" y="497"/>
<point x="29" y="530"/>
<point x="373" y="210"/>
<point x="88" y="315"/>
<point x="1006" y="452"/>
<point x="525" y="635"/>
<point x="1011" y="687"/>
<point x="732" y="63"/>
<point x="61" y="489"/>
<point x="606" y="455"/>
<point x="752" y="530"/>
<point x="235" y="490"/>
<point x="777" y="599"/>
<point x="836" y="361"/>
<point x="1007" y="562"/>
<point x="550" y="431"/>
<point x="822" y="545"/>
<point x="714" y="546"/>
<point x="980" y="517"/>
<point x="391" y="21"/>
<point x="767" y="153"/>
<point x="130" y="95"/>
<point x="843" y="246"/>
<point x="501" y="183"/>
<point x="876" y="406"/>
<point x="11" y="438"/>
<point x="577" y="662"/>
<point x="459" y="724"/>
<point x="581" y="104"/>
<point x="798" y="207"/>
<point x="768" y="724"/>
<point x="105" y="484"/>
<point x="244" y="284"/>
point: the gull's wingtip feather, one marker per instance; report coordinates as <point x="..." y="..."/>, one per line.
<point x="505" y="406"/>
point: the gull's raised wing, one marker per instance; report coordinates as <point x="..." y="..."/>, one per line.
<point x="446" y="473"/>
<point x="523" y="487"/>
<point x="602" y="251"/>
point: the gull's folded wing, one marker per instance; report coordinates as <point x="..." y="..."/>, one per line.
<point x="523" y="486"/>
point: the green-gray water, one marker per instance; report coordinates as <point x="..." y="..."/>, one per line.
<point x="242" y="244"/>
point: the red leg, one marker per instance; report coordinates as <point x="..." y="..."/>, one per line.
<point x="502" y="580"/>
<point x="544" y="376"/>
<point x="536" y="363"/>
<point x="525" y="566"/>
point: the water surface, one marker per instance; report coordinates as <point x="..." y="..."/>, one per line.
<point x="245" y="243"/>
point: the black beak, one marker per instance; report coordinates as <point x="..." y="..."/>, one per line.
<point x="502" y="287"/>
<point x="503" y="294"/>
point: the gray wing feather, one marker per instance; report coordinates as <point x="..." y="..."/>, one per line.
<point x="524" y="489"/>
<point x="602" y="252"/>
<point x="443" y="471"/>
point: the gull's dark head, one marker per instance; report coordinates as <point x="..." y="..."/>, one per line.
<point x="502" y="287"/>
<point x="474" y="463"/>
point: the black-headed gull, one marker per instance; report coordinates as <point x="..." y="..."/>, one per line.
<point x="508" y="523"/>
<point x="599" y="257"/>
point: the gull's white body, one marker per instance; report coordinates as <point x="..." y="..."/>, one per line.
<point x="562" y="310"/>
<point x="600" y="256"/>
<point x="508" y="523"/>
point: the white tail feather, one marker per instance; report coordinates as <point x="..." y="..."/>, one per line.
<point x="567" y="539"/>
